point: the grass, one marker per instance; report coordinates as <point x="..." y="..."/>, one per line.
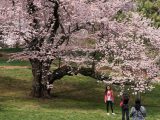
<point x="4" y="62"/>
<point x="75" y="98"/>
<point x="11" y="50"/>
<point x="4" y="57"/>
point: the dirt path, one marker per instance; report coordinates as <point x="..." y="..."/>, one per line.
<point x="14" y="67"/>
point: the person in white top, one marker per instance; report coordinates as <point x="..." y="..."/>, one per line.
<point x="109" y="99"/>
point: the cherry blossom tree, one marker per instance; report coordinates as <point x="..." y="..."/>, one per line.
<point x="131" y="64"/>
<point x="49" y="27"/>
<point x="124" y="41"/>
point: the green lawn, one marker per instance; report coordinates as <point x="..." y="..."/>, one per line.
<point x="76" y="98"/>
<point x="11" y="50"/>
<point x="5" y="62"/>
<point x="4" y="57"/>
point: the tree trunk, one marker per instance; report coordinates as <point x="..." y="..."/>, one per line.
<point x="40" y="78"/>
<point x="59" y="62"/>
<point x="139" y="95"/>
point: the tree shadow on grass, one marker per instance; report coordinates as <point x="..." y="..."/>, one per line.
<point x="86" y="95"/>
<point x="88" y="90"/>
<point x="70" y="96"/>
<point x="8" y="83"/>
<point x="11" y="88"/>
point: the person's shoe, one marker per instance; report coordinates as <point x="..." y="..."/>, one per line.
<point x="113" y="114"/>
<point x="108" y="114"/>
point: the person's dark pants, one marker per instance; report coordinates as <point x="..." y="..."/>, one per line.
<point x="111" y="105"/>
<point x="125" y="112"/>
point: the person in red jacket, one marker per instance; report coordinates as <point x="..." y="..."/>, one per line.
<point x="109" y="99"/>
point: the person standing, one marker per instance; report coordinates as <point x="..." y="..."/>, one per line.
<point x="125" y="107"/>
<point x="109" y="99"/>
<point x="138" y="112"/>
